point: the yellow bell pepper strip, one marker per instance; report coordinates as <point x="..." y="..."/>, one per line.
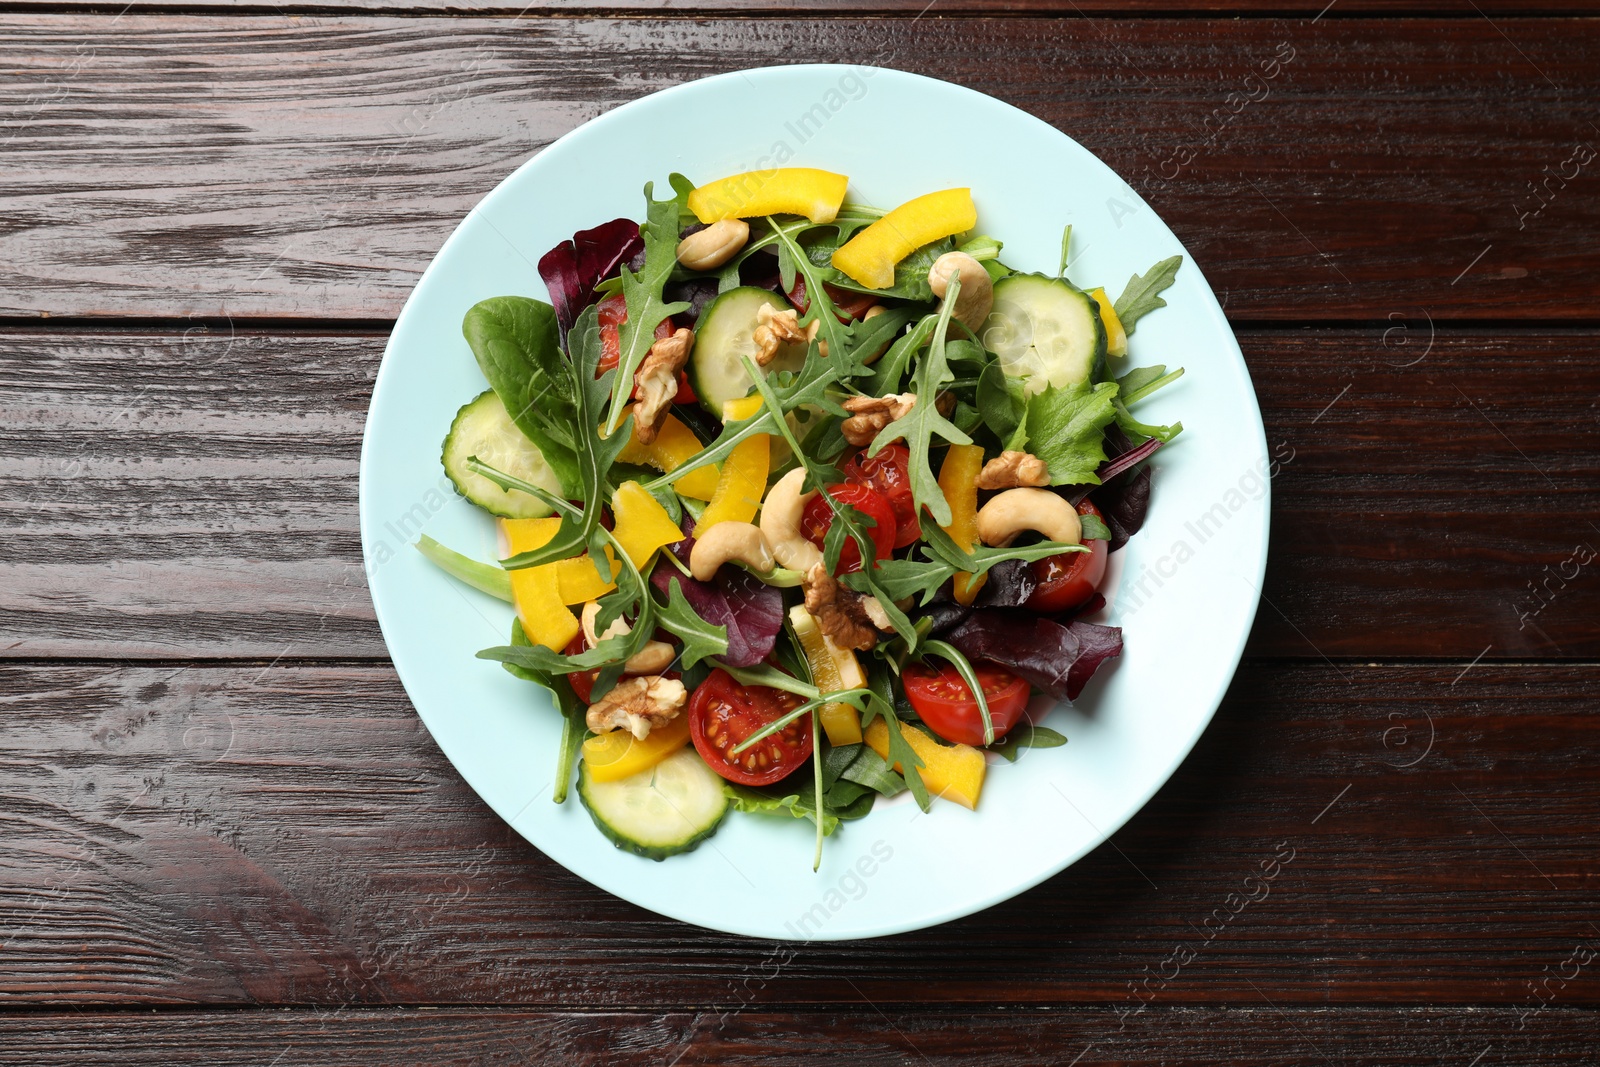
<point x="816" y="194"/>
<point x="536" y="591"/>
<point x="832" y="668"/>
<point x="954" y="772"/>
<point x="1116" y="336"/>
<point x="576" y="578"/>
<point x="643" y="525"/>
<point x="742" y="485"/>
<point x="870" y="256"/>
<point x="675" y="445"/>
<point x="741" y="409"/>
<point x="958" y="479"/>
<point x="616" y="755"/>
<point x="579" y="582"/>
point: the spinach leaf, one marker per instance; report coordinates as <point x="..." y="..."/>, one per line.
<point x="1027" y="735"/>
<point x="1142" y="294"/>
<point x="1001" y="401"/>
<point x="1066" y="427"/>
<point x="515" y="342"/>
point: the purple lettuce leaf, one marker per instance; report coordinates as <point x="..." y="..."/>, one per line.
<point x="751" y="610"/>
<point x="1057" y="659"/>
<point x="1123" y="496"/>
<point x="573" y="268"/>
<point x="1010" y="584"/>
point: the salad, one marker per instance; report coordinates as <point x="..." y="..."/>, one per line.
<point x="800" y="501"/>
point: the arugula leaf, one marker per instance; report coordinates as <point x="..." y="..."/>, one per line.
<point x="901" y="578"/>
<point x="1144" y="429"/>
<point x="819" y="474"/>
<point x="1142" y="294"/>
<point x="700" y="638"/>
<point x="515" y="341"/>
<point x="1140" y="382"/>
<point x="980" y="558"/>
<point x="1066" y="428"/>
<point x="574" y="726"/>
<point x="642" y="292"/>
<point x="919" y="425"/>
<point x="806" y="386"/>
<point x="833" y="331"/>
<point x="900" y="750"/>
<point x="1026" y="735"/>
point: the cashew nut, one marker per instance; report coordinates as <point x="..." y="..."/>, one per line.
<point x="653" y="658"/>
<point x="1016" y="510"/>
<point x="727" y="541"/>
<point x="713" y="246"/>
<point x="780" y="522"/>
<point x="976" y="298"/>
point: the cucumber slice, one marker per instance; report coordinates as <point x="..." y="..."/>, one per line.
<point x="1046" y="331"/>
<point x="725" y="335"/>
<point x="657" y="813"/>
<point x="483" y="428"/>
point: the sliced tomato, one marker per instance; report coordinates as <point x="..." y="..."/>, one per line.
<point x="582" y="682"/>
<point x="613" y="312"/>
<point x="946" y="704"/>
<point x="889" y="472"/>
<point x="849" y="305"/>
<point x="1069" y="579"/>
<point x="818" y="516"/>
<point x="722" y="713"/>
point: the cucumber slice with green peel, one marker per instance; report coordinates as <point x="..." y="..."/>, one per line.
<point x="483" y="428"/>
<point x="659" y="812"/>
<point x="725" y="335"/>
<point x="1046" y="331"/>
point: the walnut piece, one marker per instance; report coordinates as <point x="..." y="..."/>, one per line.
<point x="869" y="414"/>
<point x="774" y="328"/>
<point x="637" y="704"/>
<point x="657" y="382"/>
<point x="838" y="610"/>
<point x="1010" y="469"/>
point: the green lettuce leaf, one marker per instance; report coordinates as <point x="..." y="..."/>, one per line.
<point x="1066" y="429"/>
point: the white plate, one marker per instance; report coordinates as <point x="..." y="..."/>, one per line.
<point x="1187" y="587"/>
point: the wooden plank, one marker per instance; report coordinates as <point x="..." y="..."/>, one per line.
<point x="290" y="835"/>
<point x="310" y="166"/>
<point x="910" y="9"/>
<point x="451" y="1037"/>
<point x="195" y="495"/>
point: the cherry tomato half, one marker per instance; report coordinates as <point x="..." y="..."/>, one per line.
<point x="613" y="312"/>
<point x="582" y="682"/>
<point x="849" y="305"/>
<point x="818" y="516"/>
<point x="1069" y="580"/>
<point x="723" y="713"/>
<point x="889" y="472"/>
<point x="947" y="705"/>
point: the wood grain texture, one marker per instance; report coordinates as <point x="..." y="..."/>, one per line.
<point x="907" y="9"/>
<point x="310" y="166"/>
<point x="195" y="495"/>
<point x="291" y="835"/>
<point x="1353" y="1037"/>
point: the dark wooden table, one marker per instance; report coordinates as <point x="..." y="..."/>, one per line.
<point x="225" y="838"/>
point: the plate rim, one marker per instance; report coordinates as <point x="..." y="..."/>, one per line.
<point x="887" y="926"/>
